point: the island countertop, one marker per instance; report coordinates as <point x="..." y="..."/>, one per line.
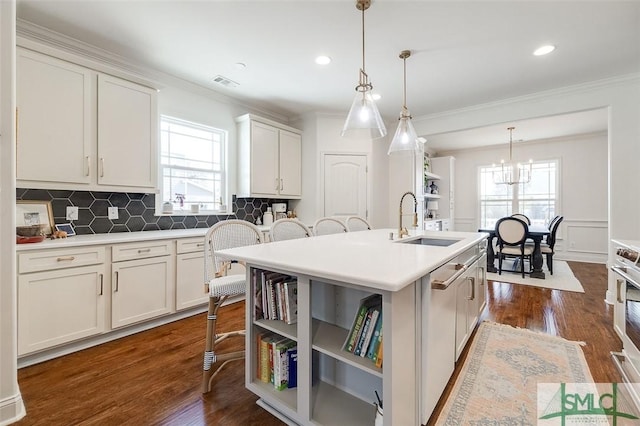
<point x="367" y="258"/>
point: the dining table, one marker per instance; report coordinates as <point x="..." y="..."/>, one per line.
<point x="535" y="233"/>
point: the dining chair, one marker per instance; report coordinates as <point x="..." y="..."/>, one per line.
<point x="329" y="225"/>
<point x="225" y="234"/>
<point x="512" y="235"/>
<point x="547" y="249"/>
<point x="357" y="223"/>
<point x="288" y="229"/>
<point x="522" y="217"/>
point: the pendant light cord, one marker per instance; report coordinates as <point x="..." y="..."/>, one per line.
<point x="404" y="94"/>
<point x="363" y="70"/>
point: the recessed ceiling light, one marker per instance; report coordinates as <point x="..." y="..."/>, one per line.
<point x="323" y="60"/>
<point x="543" y="50"/>
<point x="376" y="96"/>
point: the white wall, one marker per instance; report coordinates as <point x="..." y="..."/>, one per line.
<point x="322" y="136"/>
<point x="619" y="95"/>
<point x="583" y="189"/>
<point x="11" y="405"/>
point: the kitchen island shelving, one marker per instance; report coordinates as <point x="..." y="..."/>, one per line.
<point x="334" y="272"/>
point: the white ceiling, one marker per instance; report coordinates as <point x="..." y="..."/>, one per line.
<point x="463" y="52"/>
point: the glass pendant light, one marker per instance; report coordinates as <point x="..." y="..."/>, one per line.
<point x="405" y="138"/>
<point x="364" y="119"/>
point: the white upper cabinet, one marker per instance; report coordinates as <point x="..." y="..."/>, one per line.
<point x="81" y="130"/>
<point x="54" y="133"/>
<point x="127" y="133"/>
<point x="269" y="159"/>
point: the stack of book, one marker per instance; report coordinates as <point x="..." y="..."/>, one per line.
<point x="277" y="361"/>
<point x="365" y="336"/>
<point x="275" y="296"/>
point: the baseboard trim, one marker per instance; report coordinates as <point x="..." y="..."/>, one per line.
<point x="11" y="409"/>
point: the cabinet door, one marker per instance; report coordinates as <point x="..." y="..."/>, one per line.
<point x="619" y="309"/>
<point x="190" y="281"/>
<point x="290" y="164"/>
<point x="56" y="307"/>
<point x="127" y="134"/>
<point x="481" y="283"/>
<point x="141" y="290"/>
<point x="265" y="179"/>
<point x="54" y="133"/>
<point x="464" y="299"/>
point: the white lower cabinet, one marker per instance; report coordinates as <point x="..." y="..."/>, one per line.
<point x="142" y="288"/>
<point x="466" y="308"/>
<point x="61" y="297"/>
<point x="190" y="273"/>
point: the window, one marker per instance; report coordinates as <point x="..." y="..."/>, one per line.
<point x="536" y="199"/>
<point x="193" y="165"/>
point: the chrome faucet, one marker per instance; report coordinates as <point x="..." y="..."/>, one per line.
<point x="403" y="231"/>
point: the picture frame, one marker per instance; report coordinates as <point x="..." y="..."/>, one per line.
<point x="66" y="227"/>
<point x="33" y="212"/>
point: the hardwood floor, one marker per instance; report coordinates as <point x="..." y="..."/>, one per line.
<point x="153" y="378"/>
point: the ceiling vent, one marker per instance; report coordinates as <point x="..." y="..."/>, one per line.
<point x="224" y="81"/>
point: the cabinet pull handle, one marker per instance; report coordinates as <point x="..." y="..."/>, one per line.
<point x="281" y="184"/>
<point x="66" y="258"/>
<point x="101" y="284"/>
<point x="277" y="184"/>
<point x="101" y="166"/>
<point x="472" y="280"/>
<point x="147" y="250"/>
<point x="88" y="165"/>
<point x="484" y="275"/>
<point x="200" y="245"/>
<point x="116" y="280"/>
<point x="618" y="292"/>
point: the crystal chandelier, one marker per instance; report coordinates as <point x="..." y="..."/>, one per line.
<point x="512" y="173"/>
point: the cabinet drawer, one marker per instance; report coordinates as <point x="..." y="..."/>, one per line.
<point x="58" y="259"/>
<point x="132" y="251"/>
<point x="190" y="245"/>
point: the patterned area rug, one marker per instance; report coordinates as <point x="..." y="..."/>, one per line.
<point x="562" y="278"/>
<point x="498" y="381"/>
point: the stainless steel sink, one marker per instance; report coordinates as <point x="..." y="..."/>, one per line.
<point x="428" y="241"/>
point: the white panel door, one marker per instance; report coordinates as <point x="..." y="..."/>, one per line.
<point x="345" y="185"/>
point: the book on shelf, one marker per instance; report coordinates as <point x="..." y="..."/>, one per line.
<point x="376" y="339"/>
<point x="281" y="363"/>
<point x="379" y="355"/>
<point x="272" y="294"/>
<point x="291" y="301"/>
<point x="375" y="318"/>
<point x="265" y="340"/>
<point x="355" y="332"/>
<point x="292" y="367"/>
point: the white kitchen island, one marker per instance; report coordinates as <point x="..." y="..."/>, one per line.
<point x="334" y="272"/>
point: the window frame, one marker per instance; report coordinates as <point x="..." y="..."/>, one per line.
<point x="223" y="172"/>
<point x="516" y="199"/>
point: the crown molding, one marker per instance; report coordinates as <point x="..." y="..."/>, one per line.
<point x="44" y="40"/>
<point x="562" y="91"/>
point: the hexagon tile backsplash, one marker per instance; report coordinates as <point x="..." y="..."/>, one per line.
<point x="136" y="211"/>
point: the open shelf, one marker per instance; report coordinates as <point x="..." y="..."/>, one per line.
<point x="328" y="339"/>
<point x="432" y="176"/>
<point x="280" y="327"/>
<point x="433" y="196"/>
<point x="287" y="398"/>
<point x="332" y="406"/>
